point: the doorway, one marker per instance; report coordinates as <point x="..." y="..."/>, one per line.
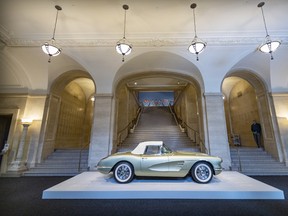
<point x="5" y="123"/>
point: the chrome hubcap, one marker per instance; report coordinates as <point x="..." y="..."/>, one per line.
<point x="202" y="172"/>
<point x="123" y="172"/>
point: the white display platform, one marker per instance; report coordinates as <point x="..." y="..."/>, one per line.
<point x="227" y="185"/>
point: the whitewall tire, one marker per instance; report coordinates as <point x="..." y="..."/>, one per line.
<point x="202" y="172"/>
<point x="123" y="172"/>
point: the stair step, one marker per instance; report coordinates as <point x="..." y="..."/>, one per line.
<point x="62" y="162"/>
<point x="157" y="124"/>
<point x="255" y="161"/>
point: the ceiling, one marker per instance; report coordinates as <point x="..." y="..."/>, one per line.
<point x="149" y="22"/>
<point x="87" y="86"/>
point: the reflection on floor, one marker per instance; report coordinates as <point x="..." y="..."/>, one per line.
<point x="227" y="185"/>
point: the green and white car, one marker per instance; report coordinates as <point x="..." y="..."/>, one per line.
<point x="154" y="159"/>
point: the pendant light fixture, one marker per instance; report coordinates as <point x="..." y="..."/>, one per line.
<point x="50" y="48"/>
<point x="268" y="46"/>
<point x="197" y="45"/>
<point x="123" y="47"/>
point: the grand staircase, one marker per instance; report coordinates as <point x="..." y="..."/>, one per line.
<point x="255" y="162"/>
<point x="158" y="124"/>
<point x="61" y="163"/>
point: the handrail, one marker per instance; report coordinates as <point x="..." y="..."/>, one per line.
<point x="80" y="157"/>
<point x="139" y="111"/>
<point x="173" y="113"/>
<point x="239" y="160"/>
<point x="131" y="124"/>
<point x="196" y="133"/>
<point x="119" y="135"/>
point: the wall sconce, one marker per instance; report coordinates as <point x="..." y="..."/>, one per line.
<point x="268" y="46"/>
<point x="197" y="45"/>
<point x="49" y="48"/>
<point x="26" y="122"/>
<point x="123" y="47"/>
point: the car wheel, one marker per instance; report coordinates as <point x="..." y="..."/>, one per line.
<point x="202" y="172"/>
<point x="123" y="172"/>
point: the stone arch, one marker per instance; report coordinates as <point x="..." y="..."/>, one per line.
<point x="13" y="74"/>
<point x="68" y="113"/>
<point x="152" y="66"/>
<point x="64" y="63"/>
<point x="255" y="87"/>
<point x="159" y="62"/>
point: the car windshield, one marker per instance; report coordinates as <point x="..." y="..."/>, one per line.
<point x="165" y="150"/>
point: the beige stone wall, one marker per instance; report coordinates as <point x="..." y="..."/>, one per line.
<point x="281" y="108"/>
<point x="133" y="105"/>
<point x="51" y="117"/>
<point x="23" y="106"/>
<point x="122" y="113"/>
<point x="126" y="111"/>
<point x="186" y="108"/>
<point x="88" y="121"/>
<point x="240" y="109"/>
<point x="11" y="102"/>
<point x="70" y="128"/>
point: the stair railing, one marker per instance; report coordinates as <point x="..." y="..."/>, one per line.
<point x="80" y="157"/>
<point x="139" y="111"/>
<point x="173" y="114"/>
<point x="130" y="127"/>
<point x="186" y="128"/>
<point x="197" y="137"/>
<point x="239" y="160"/>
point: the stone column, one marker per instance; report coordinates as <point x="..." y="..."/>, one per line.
<point x="280" y="101"/>
<point x="101" y="140"/>
<point x="217" y="142"/>
<point x="20" y="165"/>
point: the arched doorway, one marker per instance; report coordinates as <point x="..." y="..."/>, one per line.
<point x="186" y="103"/>
<point x="69" y="113"/>
<point x="159" y="71"/>
<point x="241" y="109"/>
<point x="246" y="99"/>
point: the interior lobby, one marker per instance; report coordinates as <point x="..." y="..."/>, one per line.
<point x="87" y="96"/>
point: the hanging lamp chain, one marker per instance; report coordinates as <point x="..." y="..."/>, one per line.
<point x="58" y="8"/>
<point x="193" y="6"/>
<point x="195" y="31"/>
<point x="124" y="24"/>
<point x="125" y="7"/>
<point x="264" y="20"/>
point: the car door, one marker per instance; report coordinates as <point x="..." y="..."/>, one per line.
<point x="154" y="163"/>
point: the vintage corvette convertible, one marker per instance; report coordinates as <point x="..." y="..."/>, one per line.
<point x="153" y="158"/>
